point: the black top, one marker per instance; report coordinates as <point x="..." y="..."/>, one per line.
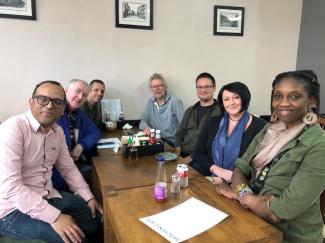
<point x="203" y="147"/>
<point x="201" y="110"/>
<point x="72" y="122"/>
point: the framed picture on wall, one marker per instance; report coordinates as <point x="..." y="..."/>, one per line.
<point x="136" y="14"/>
<point x="228" y="20"/>
<point x="18" y="9"/>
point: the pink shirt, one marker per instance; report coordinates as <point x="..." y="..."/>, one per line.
<point x="27" y="156"/>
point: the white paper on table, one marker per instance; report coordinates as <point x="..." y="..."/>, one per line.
<point x="184" y="221"/>
<point x="108" y="143"/>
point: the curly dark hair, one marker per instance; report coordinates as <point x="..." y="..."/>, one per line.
<point x="307" y="78"/>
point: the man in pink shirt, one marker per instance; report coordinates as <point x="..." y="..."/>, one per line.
<point x="30" y="144"/>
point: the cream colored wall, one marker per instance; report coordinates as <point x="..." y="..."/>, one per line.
<point x="78" y="39"/>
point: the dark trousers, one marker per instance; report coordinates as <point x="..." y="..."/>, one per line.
<point x="18" y="225"/>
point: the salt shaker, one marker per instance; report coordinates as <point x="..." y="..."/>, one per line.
<point x="176" y="185"/>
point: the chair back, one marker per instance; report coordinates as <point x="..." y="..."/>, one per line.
<point x="321" y="122"/>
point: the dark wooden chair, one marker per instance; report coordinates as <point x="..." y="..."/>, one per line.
<point x="321" y="122"/>
<point x="266" y="117"/>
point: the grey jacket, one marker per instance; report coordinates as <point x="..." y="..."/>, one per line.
<point x="165" y="118"/>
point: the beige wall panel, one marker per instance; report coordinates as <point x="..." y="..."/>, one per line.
<point x="78" y="39"/>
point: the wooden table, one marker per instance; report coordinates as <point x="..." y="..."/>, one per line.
<point x="123" y="210"/>
<point x="113" y="173"/>
<point x="126" y="189"/>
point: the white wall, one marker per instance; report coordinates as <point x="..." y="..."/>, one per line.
<point x="78" y="39"/>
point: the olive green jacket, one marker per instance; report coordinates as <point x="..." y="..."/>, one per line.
<point x="297" y="178"/>
<point x="189" y="128"/>
<point x="95" y="114"/>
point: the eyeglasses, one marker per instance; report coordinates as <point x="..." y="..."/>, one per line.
<point x="44" y="101"/>
<point x="157" y="86"/>
<point x="207" y="87"/>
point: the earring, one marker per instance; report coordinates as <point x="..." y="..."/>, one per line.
<point x="274" y="117"/>
<point x="311" y="117"/>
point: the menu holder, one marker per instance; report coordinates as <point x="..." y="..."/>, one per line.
<point x="145" y="150"/>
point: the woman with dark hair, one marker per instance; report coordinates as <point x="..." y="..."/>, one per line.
<point x="227" y="136"/>
<point x="282" y="173"/>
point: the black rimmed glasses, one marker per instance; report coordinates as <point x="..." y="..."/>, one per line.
<point x="44" y="101"/>
<point x="207" y="87"/>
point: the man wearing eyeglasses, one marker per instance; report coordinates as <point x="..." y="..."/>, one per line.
<point x="195" y="116"/>
<point x="30" y="145"/>
<point x="80" y="132"/>
<point x="163" y="112"/>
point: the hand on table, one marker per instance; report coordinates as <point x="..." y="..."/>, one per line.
<point x="169" y="148"/>
<point x="185" y="160"/>
<point x="76" y="152"/>
<point x="223" y="188"/>
<point x="147" y="131"/>
<point x="225" y="174"/>
<point x="216" y="180"/>
<point x="178" y="151"/>
<point x="258" y="204"/>
<point x="220" y="172"/>
<point x="67" y="229"/>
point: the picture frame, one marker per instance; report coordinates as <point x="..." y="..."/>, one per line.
<point x="137" y="14"/>
<point x="228" y="20"/>
<point x="18" y="9"/>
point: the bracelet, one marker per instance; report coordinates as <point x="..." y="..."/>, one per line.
<point x="242" y="190"/>
<point x="244" y="193"/>
<point x="239" y="188"/>
<point x="90" y="199"/>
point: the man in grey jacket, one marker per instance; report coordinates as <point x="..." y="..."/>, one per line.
<point x="163" y="112"/>
<point x="195" y="116"/>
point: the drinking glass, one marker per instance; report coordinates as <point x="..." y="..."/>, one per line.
<point x="133" y="153"/>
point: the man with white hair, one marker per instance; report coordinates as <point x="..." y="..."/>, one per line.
<point x="81" y="133"/>
<point x="163" y="112"/>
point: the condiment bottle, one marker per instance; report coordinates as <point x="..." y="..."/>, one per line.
<point x="158" y="137"/>
<point x="152" y="139"/>
<point x="160" y="191"/>
<point x="130" y="141"/>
